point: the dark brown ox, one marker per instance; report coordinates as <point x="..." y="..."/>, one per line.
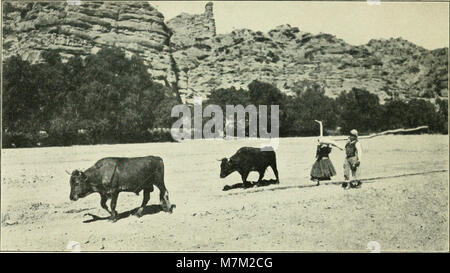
<point x="248" y="159"/>
<point x="112" y="175"/>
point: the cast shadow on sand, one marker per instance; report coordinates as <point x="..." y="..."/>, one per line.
<point x="148" y="210"/>
<point x="249" y="184"/>
<point x="281" y="187"/>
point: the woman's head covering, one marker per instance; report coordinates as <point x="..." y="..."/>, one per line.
<point x="354" y="133"/>
<point x="319" y="142"/>
<point x="326" y="141"/>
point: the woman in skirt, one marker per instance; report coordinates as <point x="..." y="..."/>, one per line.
<point x="323" y="169"/>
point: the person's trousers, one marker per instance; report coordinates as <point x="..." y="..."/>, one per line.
<point x="348" y="168"/>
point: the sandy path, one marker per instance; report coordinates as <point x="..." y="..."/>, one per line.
<point x="406" y="213"/>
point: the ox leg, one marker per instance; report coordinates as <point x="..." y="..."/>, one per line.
<point x="244" y="176"/>
<point x="144" y="202"/>
<point x="261" y="175"/>
<point x="103" y="200"/>
<point x="164" y="198"/>
<point x="275" y="171"/>
<point x="113" y="207"/>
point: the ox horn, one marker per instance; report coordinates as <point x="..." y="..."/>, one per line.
<point x="68" y="172"/>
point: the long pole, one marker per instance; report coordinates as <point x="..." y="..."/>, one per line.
<point x="321" y="127"/>
<point x="387" y="132"/>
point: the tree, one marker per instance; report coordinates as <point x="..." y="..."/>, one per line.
<point x="394" y="115"/>
<point x="421" y="112"/>
<point x="110" y="96"/>
<point x="51" y="85"/>
<point x="120" y="91"/>
<point x="443" y="115"/>
<point x="309" y="104"/>
<point x="20" y="99"/>
<point x="261" y="93"/>
<point x="228" y="96"/>
<point x="359" y="109"/>
<point x="51" y="57"/>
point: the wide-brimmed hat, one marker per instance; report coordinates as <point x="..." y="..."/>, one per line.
<point x="354" y="133"/>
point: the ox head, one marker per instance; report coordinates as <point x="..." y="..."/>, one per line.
<point x="79" y="187"/>
<point x="226" y="167"/>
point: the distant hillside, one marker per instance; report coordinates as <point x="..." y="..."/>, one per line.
<point x="186" y="54"/>
<point x="286" y="55"/>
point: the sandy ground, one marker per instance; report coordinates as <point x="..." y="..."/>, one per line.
<point x="402" y="214"/>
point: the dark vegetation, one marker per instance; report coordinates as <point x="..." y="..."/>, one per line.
<point x="356" y="108"/>
<point x="109" y="98"/>
<point x="105" y="98"/>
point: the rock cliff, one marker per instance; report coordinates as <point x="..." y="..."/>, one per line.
<point x="138" y="28"/>
<point x="287" y="56"/>
<point x="186" y="54"/>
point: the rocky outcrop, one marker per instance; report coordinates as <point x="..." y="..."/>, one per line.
<point x="191" y="29"/>
<point x="287" y="57"/>
<point x="192" y="35"/>
<point x="186" y="54"/>
<point x="138" y="28"/>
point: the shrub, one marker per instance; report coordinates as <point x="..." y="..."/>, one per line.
<point x="359" y="109"/>
<point x="421" y="112"/>
<point x="111" y="97"/>
<point x="309" y="104"/>
<point x="18" y="140"/>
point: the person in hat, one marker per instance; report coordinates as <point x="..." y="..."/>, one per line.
<point x="322" y="168"/>
<point x="352" y="163"/>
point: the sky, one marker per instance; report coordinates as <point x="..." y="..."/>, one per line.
<point x="425" y="24"/>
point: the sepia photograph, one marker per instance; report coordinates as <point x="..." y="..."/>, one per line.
<point x="224" y="126"/>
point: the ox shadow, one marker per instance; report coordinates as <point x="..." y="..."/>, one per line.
<point x="249" y="184"/>
<point x="148" y="210"/>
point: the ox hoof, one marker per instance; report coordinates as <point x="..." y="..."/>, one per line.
<point x="138" y="213"/>
<point x="167" y="208"/>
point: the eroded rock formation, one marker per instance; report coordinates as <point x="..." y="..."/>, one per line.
<point x="287" y="56"/>
<point x="138" y="28"/>
<point x="186" y="54"/>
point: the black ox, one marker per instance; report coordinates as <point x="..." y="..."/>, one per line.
<point x="112" y="175"/>
<point x="248" y="159"/>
